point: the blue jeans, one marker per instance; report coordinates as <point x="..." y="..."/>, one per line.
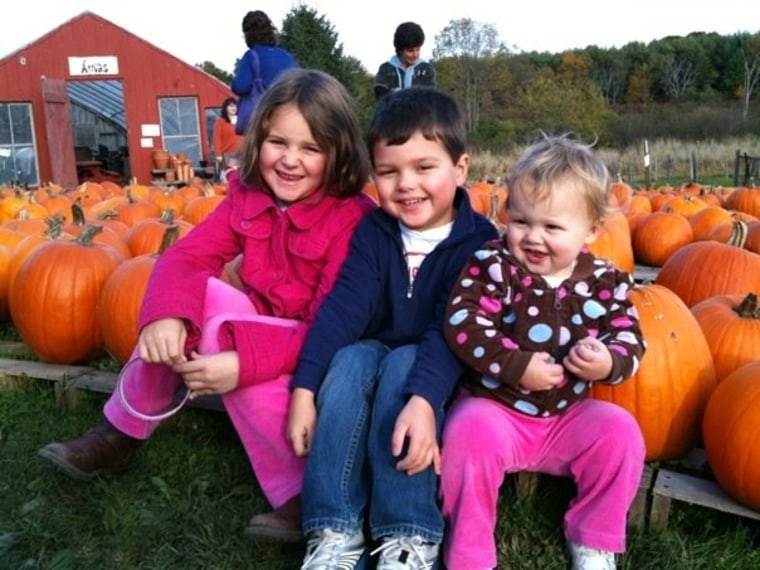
<point x="350" y="468"/>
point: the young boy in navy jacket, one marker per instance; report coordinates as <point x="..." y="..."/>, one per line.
<point x="375" y="372"/>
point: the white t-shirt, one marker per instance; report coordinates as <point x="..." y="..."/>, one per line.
<point x="417" y="245"/>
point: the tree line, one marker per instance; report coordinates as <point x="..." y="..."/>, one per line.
<point x="693" y="87"/>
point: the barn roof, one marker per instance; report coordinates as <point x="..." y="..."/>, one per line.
<point x="104" y="98"/>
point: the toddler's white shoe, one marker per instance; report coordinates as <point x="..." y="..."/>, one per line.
<point x="585" y="558"/>
<point x="406" y="553"/>
<point x="329" y="550"/>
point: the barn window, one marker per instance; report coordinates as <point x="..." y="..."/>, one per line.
<point x="18" y="156"/>
<point x="180" y="127"/>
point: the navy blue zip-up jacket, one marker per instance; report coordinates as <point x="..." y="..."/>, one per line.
<point x="372" y="299"/>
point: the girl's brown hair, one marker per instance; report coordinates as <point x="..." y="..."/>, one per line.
<point x="330" y="112"/>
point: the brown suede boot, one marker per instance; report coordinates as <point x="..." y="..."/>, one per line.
<point x="283" y="523"/>
<point x="101" y="450"/>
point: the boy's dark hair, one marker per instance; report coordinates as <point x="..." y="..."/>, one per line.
<point x="259" y="29"/>
<point x="331" y="114"/>
<point x="408" y="35"/>
<point x="433" y="113"/>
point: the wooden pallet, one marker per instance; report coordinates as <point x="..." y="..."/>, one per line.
<point x="689" y="480"/>
<point x="645" y="274"/>
<point x="71" y="379"/>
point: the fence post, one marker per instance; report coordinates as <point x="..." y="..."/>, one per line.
<point x="736" y="168"/>
<point x="693" y="166"/>
<point x="646" y="165"/>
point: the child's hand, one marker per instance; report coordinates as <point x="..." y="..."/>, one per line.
<point x="163" y="341"/>
<point x="589" y="360"/>
<point x="207" y="374"/>
<point x="542" y="373"/>
<point x="302" y="420"/>
<point x="415" y="426"/>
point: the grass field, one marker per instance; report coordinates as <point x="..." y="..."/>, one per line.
<point x="186" y="503"/>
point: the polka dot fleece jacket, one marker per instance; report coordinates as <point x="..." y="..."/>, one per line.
<point x="499" y="315"/>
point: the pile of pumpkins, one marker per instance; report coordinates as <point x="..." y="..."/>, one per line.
<point x="74" y="266"/>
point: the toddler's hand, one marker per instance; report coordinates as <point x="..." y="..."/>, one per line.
<point x="589" y="359"/>
<point x="542" y="373"/>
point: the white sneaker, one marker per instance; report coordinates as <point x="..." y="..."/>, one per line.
<point x="585" y="558"/>
<point x="330" y="550"/>
<point x="406" y="553"/>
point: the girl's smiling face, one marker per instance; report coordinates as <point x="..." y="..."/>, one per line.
<point x="292" y="163"/>
<point x="545" y="235"/>
<point x="416" y="181"/>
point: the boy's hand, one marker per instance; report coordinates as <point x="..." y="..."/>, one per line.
<point x="589" y="359"/>
<point x="302" y="420"/>
<point x="415" y="425"/>
<point x="542" y="373"/>
<point x="206" y="374"/>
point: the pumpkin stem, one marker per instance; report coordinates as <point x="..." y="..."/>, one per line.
<point x="171" y="234"/>
<point x="167" y="217"/>
<point x="87" y="235"/>
<point x="77" y="213"/>
<point x="749" y="308"/>
<point x="738" y="234"/>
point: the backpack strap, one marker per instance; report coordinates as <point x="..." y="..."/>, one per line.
<point x="255" y="65"/>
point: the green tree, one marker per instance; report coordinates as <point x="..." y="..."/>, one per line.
<point x="562" y="104"/>
<point x="750" y="50"/>
<point x="311" y="38"/>
<point x="212" y="69"/>
<point x="471" y="48"/>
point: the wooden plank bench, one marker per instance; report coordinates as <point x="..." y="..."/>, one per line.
<point x="652" y="504"/>
<point x="69" y="379"/>
<point x="672" y="485"/>
<point x="645" y="274"/>
<point x="527" y="481"/>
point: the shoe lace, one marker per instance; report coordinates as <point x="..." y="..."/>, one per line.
<point x="327" y="550"/>
<point x="391" y="554"/>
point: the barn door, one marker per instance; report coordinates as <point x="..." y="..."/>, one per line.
<point x="60" y="135"/>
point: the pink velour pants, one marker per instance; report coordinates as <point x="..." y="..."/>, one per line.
<point x="596" y="443"/>
<point x="258" y="412"/>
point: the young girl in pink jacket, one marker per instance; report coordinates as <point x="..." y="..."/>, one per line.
<point x="289" y="214"/>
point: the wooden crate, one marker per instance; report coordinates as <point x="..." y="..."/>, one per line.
<point x="689" y="480"/>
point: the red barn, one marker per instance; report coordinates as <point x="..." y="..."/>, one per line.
<point x="91" y="100"/>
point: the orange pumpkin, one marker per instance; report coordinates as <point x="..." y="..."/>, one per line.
<point x="122" y="296"/>
<point x="146" y="236"/>
<point x="659" y="235"/>
<point x="197" y="209"/>
<point x="731" y="325"/>
<point x="745" y="200"/>
<point x="731" y="430"/>
<point x="613" y="243"/>
<point x="668" y="393"/>
<point x="54" y="299"/>
<point x="706" y="268"/>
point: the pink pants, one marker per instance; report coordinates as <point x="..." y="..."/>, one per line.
<point x="596" y="443"/>
<point x="258" y="412"/>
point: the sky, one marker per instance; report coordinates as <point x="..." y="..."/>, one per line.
<point x="196" y="32"/>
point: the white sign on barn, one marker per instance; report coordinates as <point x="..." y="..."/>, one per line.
<point x="95" y="65"/>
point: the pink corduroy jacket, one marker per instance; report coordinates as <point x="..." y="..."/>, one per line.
<point x="289" y="260"/>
